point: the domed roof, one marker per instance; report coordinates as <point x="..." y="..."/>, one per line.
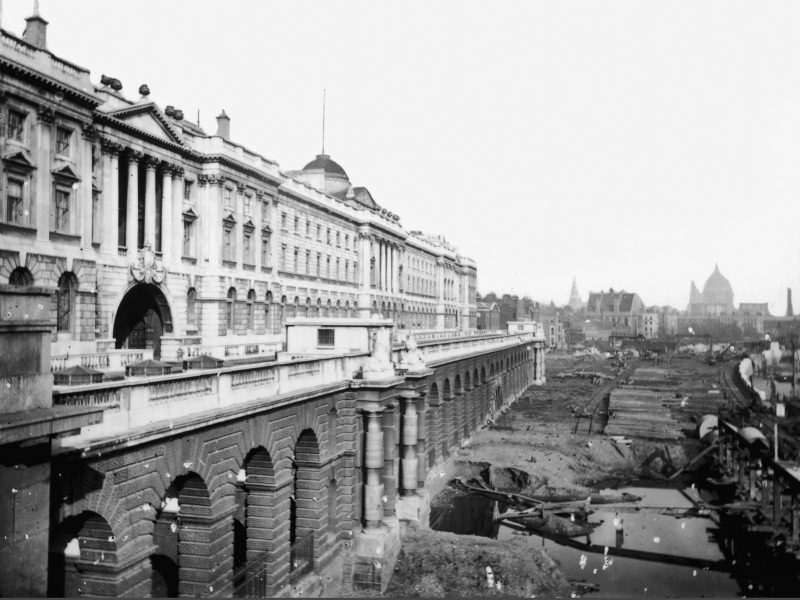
<point x="717" y="289"/>
<point x="324" y="162"/>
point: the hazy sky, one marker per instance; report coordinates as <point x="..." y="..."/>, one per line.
<point x="629" y="144"/>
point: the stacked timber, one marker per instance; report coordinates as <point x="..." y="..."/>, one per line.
<point x="641" y="413"/>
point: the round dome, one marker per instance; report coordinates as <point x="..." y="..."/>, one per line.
<point x="324" y="162"/>
<point x="717" y="289"/>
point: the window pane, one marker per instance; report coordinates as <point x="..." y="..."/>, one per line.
<point x="63" y="138"/>
<point x="62" y="210"/>
<point x="14" y="206"/>
<point x="16" y="125"/>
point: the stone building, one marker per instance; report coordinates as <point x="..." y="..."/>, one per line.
<point x="619" y="312"/>
<point x="160" y="237"/>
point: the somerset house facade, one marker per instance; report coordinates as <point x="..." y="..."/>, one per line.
<point x="161" y="237"/>
<point x="219" y="378"/>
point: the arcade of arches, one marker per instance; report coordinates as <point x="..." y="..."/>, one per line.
<point x="255" y="501"/>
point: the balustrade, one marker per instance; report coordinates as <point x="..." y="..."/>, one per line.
<point x="181" y="388"/>
<point x="252" y="378"/>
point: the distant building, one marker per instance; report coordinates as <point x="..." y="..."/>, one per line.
<point x="620" y="312"/>
<point x="651" y="324"/>
<point x="716" y="298"/>
<point x="575" y="302"/>
<point x="488" y="316"/>
<point x="553" y="326"/>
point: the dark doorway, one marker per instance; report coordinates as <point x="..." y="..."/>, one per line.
<point x="165" y="577"/>
<point x="143" y="316"/>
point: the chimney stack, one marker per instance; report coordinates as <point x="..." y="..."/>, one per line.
<point x="789" y="309"/>
<point x="36" y="29"/>
<point x="224" y="125"/>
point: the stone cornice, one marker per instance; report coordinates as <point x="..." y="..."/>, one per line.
<point x="25" y="73"/>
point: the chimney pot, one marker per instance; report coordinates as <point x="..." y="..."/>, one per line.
<point x="36" y="29"/>
<point x="224" y="125"/>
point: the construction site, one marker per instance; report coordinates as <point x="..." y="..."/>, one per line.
<point x="624" y="475"/>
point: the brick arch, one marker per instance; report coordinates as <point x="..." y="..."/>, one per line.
<point x="80" y="544"/>
<point x="46" y="269"/>
<point x="458" y="388"/>
<point x="447" y="389"/>
<point x="8" y="262"/>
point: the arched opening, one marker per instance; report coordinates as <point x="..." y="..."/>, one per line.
<point x="65" y="302"/>
<point x="253" y="543"/>
<point x="142" y="316"/>
<point x="20" y="276"/>
<point x="435" y="412"/>
<point x="229" y="318"/>
<point x="182" y="534"/>
<point x="82" y="556"/>
<point x="191" y="310"/>
<point x="164" y="578"/>
<point x="308" y="505"/>
<point x="458" y="387"/>
<point x="251" y="311"/>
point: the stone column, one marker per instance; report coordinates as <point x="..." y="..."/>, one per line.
<point x="176" y="245"/>
<point x="373" y="462"/>
<point x="389" y="474"/>
<point x="110" y="238"/>
<point x="238" y="211"/>
<point x="150" y="165"/>
<point x="364" y="284"/>
<point x="168" y="242"/>
<point x="392" y="267"/>
<point x="409" y="440"/>
<point x="84" y="199"/>
<point x="132" y="211"/>
<point x="43" y="195"/>
<point x="422" y="439"/>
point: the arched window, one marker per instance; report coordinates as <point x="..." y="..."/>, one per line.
<point x="65" y="301"/>
<point x="191" y="310"/>
<point x="230" y="309"/>
<point x="20" y="276"/>
<point x="251" y="310"/>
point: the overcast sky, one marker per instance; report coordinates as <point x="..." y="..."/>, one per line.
<point x="629" y="144"/>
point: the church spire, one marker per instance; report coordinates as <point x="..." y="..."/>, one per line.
<point x="575" y="302"/>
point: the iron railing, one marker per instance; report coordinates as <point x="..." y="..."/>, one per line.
<point x="250" y="579"/>
<point x="302" y="556"/>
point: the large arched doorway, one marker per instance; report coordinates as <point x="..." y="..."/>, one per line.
<point x="142" y="317"/>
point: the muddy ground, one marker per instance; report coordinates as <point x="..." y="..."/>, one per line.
<point x="557" y="453"/>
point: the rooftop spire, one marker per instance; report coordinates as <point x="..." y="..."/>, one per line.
<point x="323" y="120"/>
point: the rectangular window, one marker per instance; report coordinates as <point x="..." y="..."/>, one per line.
<point x="283" y="220"/>
<point x="338" y="239"/>
<point x="61" y="210"/>
<point x="63" y="141"/>
<point x="187" y="190"/>
<point x="96" y="217"/>
<point x="248" y="204"/>
<point x="15" y="207"/>
<point x="346" y="241"/>
<point x="328" y="237"/>
<point x="227" y="244"/>
<point x="187" y="238"/>
<point x="296" y="260"/>
<point x="247" y="247"/>
<point x="308" y="262"/>
<point x="227" y="197"/>
<point x="265" y="252"/>
<point x="16" y="126"/>
<point x="283" y="257"/>
<point x="325" y="337"/>
<point x="319" y="264"/>
<point x="296" y="224"/>
<point x="328" y="268"/>
<point x="319" y="232"/>
<point x="308" y="228"/>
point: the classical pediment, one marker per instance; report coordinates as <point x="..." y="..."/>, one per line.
<point x="249" y="225"/>
<point x="189" y="214"/>
<point x="229" y="219"/>
<point x="18" y="159"/>
<point x="65" y="171"/>
<point x="149" y="119"/>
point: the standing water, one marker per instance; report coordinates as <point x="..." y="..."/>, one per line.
<point x="662" y="538"/>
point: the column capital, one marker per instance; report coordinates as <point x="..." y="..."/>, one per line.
<point x="111" y="147"/>
<point x="177" y="171"/>
<point x="150" y="162"/>
<point x="203" y="179"/>
<point x="88" y="131"/>
<point x="134" y="155"/>
<point x="46" y="114"/>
